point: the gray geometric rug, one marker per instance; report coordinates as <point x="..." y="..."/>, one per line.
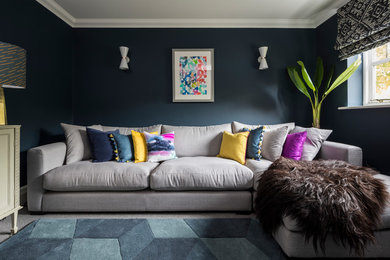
<point x="237" y="238"/>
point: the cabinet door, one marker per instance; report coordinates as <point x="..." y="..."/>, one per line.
<point x="7" y="169"/>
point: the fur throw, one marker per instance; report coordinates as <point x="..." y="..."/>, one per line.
<point x="324" y="197"/>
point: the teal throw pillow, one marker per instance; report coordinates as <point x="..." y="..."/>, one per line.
<point x="255" y="142"/>
<point x="123" y="147"/>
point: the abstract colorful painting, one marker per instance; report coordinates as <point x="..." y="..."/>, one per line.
<point x="193" y="75"/>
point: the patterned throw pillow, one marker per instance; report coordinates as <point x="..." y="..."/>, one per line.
<point x="140" y="147"/>
<point x="123" y="147"/>
<point x="255" y="142"/>
<point x="160" y="147"/>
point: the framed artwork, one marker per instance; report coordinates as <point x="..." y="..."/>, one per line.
<point x="193" y="75"/>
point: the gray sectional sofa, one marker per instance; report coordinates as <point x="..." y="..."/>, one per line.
<point x="196" y="181"/>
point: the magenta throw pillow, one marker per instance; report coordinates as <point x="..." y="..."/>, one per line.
<point x="293" y="146"/>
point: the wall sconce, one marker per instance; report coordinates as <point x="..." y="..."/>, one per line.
<point x="125" y="60"/>
<point x="263" y="62"/>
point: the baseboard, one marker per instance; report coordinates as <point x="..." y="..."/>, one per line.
<point x="23" y="195"/>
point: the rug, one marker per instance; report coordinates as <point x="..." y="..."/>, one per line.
<point x="236" y="238"/>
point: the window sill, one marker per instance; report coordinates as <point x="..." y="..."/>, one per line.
<point x="365" y="107"/>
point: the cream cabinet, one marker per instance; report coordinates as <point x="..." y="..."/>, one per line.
<point x="9" y="173"/>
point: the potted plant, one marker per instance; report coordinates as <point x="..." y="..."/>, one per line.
<point x="302" y="81"/>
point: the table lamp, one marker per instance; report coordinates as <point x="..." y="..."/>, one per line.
<point x="12" y="73"/>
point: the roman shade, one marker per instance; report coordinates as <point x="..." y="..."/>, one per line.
<point x="362" y="25"/>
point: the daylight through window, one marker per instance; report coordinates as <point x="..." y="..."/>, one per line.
<point x="377" y="75"/>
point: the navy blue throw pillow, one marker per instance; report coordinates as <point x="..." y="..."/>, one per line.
<point x="101" y="145"/>
<point x="255" y="142"/>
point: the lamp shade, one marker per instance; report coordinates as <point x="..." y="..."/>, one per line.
<point x="12" y="73"/>
<point x="125" y="60"/>
<point x="12" y="66"/>
<point x="263" y="62"/>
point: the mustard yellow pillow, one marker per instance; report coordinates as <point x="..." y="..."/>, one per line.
<point x="233" y="146"/>
<point x="140" y="147"/>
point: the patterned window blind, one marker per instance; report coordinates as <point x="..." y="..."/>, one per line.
<point x="362" y="25"/>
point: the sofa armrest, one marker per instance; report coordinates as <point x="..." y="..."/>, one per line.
<point x="40" y="160"/>
<point x="344" y="152"/>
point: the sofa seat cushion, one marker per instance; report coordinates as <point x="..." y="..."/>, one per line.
<point x="292" y="225"/>
<point x="201" y="173"/>
<point x="105" y="176"/>
<point x="258" y="168"/>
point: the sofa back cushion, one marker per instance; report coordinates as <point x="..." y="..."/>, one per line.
<point x="237" y="126"/>
<point x="197" y="140"/>
<point x="77" y="143"/>
<point x="127" y="130"/>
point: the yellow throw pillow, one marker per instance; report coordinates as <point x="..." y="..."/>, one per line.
<point x="140" y="147"/>
<point x="233" y="146"/>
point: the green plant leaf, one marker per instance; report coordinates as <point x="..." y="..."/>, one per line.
<point x="306" y="76"/>
<point x="344" y="76"/>
<point x="319" y="74"/>
<point x="330" y="76"/>
<point x="296" y="79"/>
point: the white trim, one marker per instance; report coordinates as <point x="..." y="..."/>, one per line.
<point x="382" y="105"/>
<point x="366" y="78"/>
<point x="23" y="195"/>
<point x="312" y="22"/>
<point x="369" y="80"/>
<point x="322" y="17"/>
<point x="60" y="12"/>
<point x="193" y="23"/>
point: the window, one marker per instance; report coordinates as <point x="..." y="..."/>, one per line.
<point x="376" y="76"/>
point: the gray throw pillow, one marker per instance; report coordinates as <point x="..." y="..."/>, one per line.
<point x="237" y="126"/>
<point x="314" y="139"/>
<point x="77" y="143"/>
<point x="273" y="141"/>
<point x="127" y="130"/>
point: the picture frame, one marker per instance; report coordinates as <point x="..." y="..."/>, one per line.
<point x="192" y="75"/>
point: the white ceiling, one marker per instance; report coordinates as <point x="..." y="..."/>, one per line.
<point x="194" y="13"/>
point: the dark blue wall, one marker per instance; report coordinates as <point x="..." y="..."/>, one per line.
<point x="367" y="128"/>
<point x="90" y="88"/>
<point x="47" y="99"/>
<point x="104" y="94"/>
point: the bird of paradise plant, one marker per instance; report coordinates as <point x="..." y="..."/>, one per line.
<point x="315" y="99"/>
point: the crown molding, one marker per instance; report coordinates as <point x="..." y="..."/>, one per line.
<point x="193" y="23"/>
<point x="323" y="16"/>
<point x="60" y="12"/>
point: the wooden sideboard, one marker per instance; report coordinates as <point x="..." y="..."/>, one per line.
<point x="10" y="173"/>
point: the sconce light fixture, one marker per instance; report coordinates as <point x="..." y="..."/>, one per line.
<point x="263" y="62"/>
<point x="125" y="60"/>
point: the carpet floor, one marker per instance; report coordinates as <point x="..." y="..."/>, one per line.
<point x="141" y="238"/>
<point x="26" y="218"/>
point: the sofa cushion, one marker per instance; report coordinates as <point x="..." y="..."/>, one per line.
<point x="201" y="173"/>
<point x="127" y="130"/>
<point x="77" y="143"/>
<point x="237" y="126"/>
<point x="105" y="176"/>
<point x="292" y="225"/>
<point x="314" y="140"/>
<point x="258" y="168"/>
<point x="197" y="140"/>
